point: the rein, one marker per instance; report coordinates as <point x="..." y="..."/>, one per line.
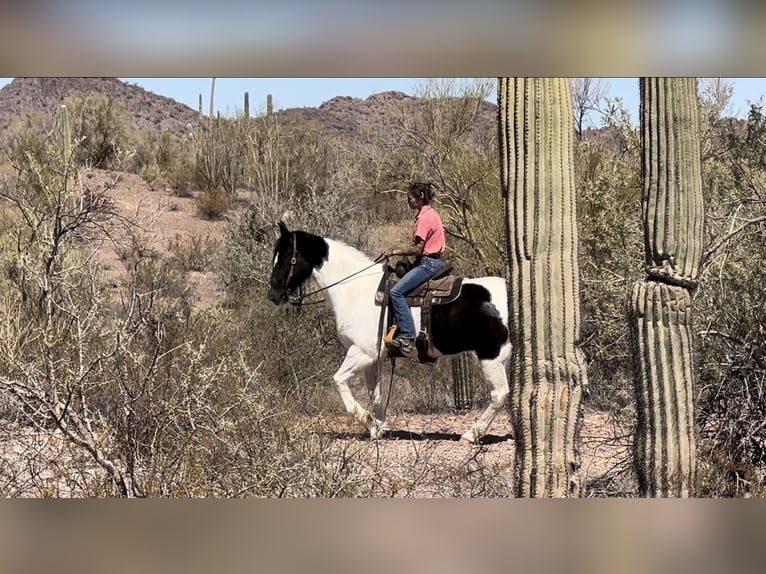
<point x="299" y="299"/>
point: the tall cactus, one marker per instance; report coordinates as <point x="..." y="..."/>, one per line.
<point x="660" y="305"/>
<point x="548" y="371"/>
<point x="462" y="381"/>
<point x="212" y="98"/>
<point x="66" y="133"/>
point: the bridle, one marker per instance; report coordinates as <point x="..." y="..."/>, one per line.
<point x="298" y="299"/>
<point x="293" y="299"/>
<point x="293" y="261"/>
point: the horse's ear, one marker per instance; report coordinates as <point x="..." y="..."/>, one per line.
<point x="280" y="229"/>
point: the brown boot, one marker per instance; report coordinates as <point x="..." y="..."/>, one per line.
<point x="406" y="347"/>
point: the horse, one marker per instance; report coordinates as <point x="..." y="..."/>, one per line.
<point x="476" y="321"/>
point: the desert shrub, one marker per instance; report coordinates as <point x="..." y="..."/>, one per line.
<point x="8" y="265"/>
<point x="732" y="367"/>
<point x="28" y="136"/>
<point x="203" y="417"/>
<point x="611" y="259"/>
<point x="155" y="157"/>
<point x="193" y="253"/>
<point x="181" y="175"/>
<point x="731" y="321"/>
<point x="100" y="126"/>
<point x="213" y="204"/>
<point x="100" y="134"/>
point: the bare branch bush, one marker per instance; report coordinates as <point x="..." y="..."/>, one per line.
<point x="128" y="392"/>
<point x="46" y="365"/>
<point x="732" y="322"/>
<point x="611" y="251"/>
<point x="447" y="140"/>
<point x="100" y="127"/>
<point x="588" y="98"/>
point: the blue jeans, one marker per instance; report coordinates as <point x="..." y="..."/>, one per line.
<point x="427" y="268"/>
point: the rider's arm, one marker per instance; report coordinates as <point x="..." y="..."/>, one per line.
<point x="414" y="250"/>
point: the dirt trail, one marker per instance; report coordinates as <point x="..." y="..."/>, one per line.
<point x="422" y="456"/>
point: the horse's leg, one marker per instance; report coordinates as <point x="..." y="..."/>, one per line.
<point x="378" y="406"/>
<point x="496" y="375"/>
<point x="355" y="361"/>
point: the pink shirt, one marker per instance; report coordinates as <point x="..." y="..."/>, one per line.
<point x="429" y="228"/>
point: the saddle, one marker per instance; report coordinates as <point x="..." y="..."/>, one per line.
<point x="440" y="289"/>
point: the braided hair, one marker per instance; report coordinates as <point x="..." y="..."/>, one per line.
<point x="424" y="190"/>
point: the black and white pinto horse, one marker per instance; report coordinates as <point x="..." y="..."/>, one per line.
<point x="476" y="321"/>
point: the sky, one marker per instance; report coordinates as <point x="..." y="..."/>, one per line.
<point x="312" y="92"/>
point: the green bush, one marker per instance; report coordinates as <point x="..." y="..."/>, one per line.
<point x="101" y="129"/>
<point x="156" y="157"/>
<point x="611" y="257"/>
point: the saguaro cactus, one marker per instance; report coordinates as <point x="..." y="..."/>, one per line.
<point x="66" y="133"/>
<point x="548" y="370"/>
<point x="212" y="98"/>
<point x="660" y="306"/>
<point x="462" y="381"/>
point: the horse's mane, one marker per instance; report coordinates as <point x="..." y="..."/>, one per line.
<point x="347" y="251"/>
<point x="317" y="249"/>
<point x="313" y="247"/>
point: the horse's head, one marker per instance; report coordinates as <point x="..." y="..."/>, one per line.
<point x="296" y="255"/>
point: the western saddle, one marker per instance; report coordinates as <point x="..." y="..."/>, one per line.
<point x="440" y="289"/>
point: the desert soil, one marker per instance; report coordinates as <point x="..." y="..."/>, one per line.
<point x="422" y="456"/>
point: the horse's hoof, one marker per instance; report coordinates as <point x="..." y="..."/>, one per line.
<point x="469" y="438"/>
<point x="377" y="431"/>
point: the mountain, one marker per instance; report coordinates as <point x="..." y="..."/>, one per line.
<point x="147" y="110"/>
<point x="352" y="120"/>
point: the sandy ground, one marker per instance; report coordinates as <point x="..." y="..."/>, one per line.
<point x="422" y="456"/>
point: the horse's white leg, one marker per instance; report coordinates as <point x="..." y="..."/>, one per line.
<point x="378" y="406"/>
<point x="355" y="361"/>
<point x="496" y="375"/>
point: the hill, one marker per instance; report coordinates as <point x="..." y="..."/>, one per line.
<point x="351" y="120"/>
<point x="147" y="110"/>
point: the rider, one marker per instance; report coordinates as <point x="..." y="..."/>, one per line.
<point x="428" y="243"/>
